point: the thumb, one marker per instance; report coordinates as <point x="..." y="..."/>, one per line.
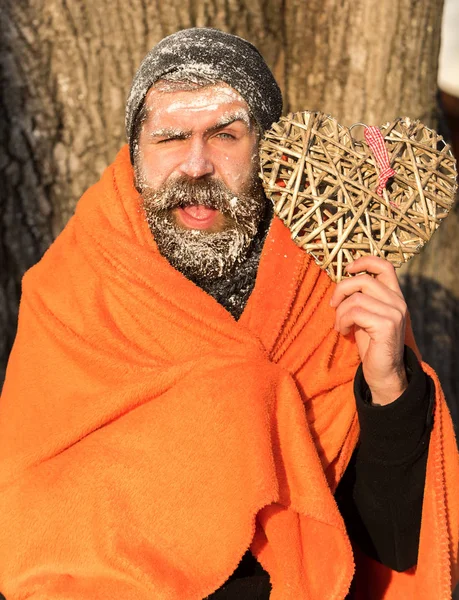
<point x="362" y="340"/>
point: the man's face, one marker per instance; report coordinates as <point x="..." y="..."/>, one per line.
<point x="196" y="167"/>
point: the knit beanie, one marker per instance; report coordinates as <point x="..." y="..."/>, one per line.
<point x="213" y="55"/>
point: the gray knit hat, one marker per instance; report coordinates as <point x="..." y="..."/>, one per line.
<point x="211" y="54"/>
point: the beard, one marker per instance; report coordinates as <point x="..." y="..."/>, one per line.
<point x="200" y="254"/>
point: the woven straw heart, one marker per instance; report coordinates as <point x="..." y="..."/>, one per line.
<point x="324" y="186"/>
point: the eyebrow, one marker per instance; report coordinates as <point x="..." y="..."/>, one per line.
<point x="181" y="134"/>
<point x="226" y="120"/>
<point x="170" y="132"/>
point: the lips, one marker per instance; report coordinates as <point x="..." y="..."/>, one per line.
<point x="197" y="216"/>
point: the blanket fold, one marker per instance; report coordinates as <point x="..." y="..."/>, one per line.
<point x="147" y="439"/>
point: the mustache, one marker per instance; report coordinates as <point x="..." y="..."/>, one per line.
<point x="185" y="191"/>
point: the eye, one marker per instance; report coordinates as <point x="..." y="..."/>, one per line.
<point x="165" y="140"/>
<point x="226" y="136"/>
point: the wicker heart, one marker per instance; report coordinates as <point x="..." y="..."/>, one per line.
<point x="323" y="184"/>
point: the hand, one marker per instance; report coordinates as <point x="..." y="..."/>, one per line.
<point x="373" y="308"/>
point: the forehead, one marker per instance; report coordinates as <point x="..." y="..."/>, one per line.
<point x="207" y="104"/>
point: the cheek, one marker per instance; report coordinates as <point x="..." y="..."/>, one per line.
<point x="236" y="168"/>
<point x="155" y="168"/>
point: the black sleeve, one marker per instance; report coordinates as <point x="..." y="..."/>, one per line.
<point x="381" y="493"/>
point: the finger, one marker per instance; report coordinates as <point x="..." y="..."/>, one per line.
<point x="366" y="285"/>
<point x="379" y="327"/>
<point x="382" y="269"/>
<point x="359" y="301"/>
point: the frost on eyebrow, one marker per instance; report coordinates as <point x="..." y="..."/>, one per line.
<point x="234" y="115"/>
<point x="169" y="132"/>
<point x="225" y="119"/>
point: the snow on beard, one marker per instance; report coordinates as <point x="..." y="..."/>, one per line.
<point x="200" y="254"/>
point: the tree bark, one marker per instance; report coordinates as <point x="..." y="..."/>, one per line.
<point x="66" y="68"/>
<point x="363" y="60"/>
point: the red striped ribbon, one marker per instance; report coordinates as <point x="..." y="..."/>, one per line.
<point x="375" y="140"/>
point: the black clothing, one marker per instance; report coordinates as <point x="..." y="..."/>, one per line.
<point x="380" y="495"/>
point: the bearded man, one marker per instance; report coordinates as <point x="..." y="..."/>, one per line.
<point x="192" y="409"/>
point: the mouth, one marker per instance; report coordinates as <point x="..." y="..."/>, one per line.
<point x="197" y="216"/>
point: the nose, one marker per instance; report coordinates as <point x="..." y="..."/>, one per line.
<point x="197" y="162"/>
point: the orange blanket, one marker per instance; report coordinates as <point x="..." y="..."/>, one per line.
<point x="147" y="439"/>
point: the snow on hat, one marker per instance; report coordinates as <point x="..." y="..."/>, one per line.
<point x="214" y="55"/>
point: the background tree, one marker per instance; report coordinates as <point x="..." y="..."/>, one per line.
<point x="66" y="67"/>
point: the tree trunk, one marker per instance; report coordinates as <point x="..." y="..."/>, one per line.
<point x="66" y="67"/>
<point x="364" y="60"/>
